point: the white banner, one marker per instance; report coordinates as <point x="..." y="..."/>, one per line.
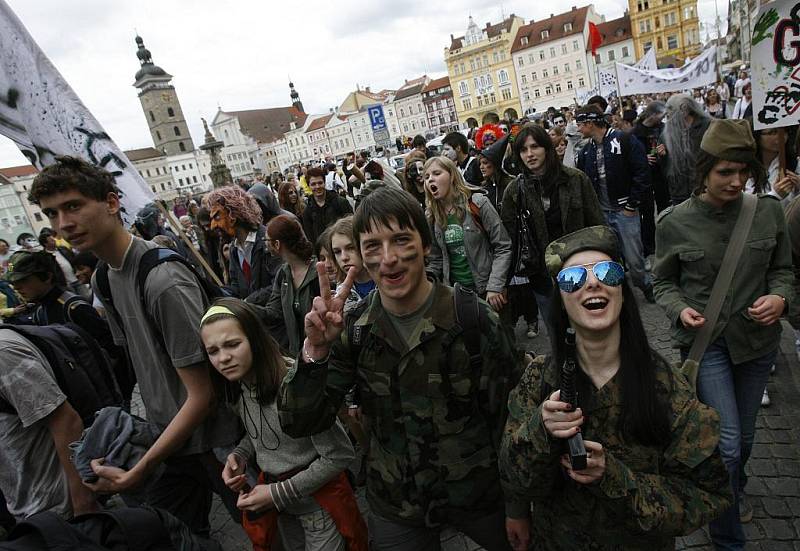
<point x="699" y="72"/>
<point x="41" y="113"/>
<point x="608" y="83"/>
<point x="775" y="64"/>
<point x="648" y="61"/>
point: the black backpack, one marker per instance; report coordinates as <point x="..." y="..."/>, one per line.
<point x="81" y="368"/>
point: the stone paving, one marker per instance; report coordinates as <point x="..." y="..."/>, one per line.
<point x="774" y="468"/>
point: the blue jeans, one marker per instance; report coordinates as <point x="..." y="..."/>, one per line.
<point x="629" y="233"/>
<point x="734" y="390"/>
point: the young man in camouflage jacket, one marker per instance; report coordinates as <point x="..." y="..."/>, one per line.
<point x="435" y="421"/>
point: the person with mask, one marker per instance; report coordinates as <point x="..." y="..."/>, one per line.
<point x="413" y="167"/>
<point x="687" y="122"/>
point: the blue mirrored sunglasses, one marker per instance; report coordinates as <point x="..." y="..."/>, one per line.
<point x="607" y="272"/>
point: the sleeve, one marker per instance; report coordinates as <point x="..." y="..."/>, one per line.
<point x="435" y="257"/>
<point x="235" y="271"/>
<point x="245" y="449"/>
<point x="692" y="486"/>
<point x="500" y="246"/>
<point x="529" y="466"/>
<point x="580" y="158"/>
<point x="312" y="394"/>
<point x="334" y="451"/>
<point x="592" y="211"/>
<point x="177" y="306"/>
<point x="27" y="384"/>
<point x="508" y="209"/>
<point x="666" y="273"/>
<point x="344" y="206"/>
<point x="273" y="310"/>
<point x="640" y="172"/>
<point x="780" y="275"/>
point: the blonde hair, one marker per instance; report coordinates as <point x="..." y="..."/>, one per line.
<point x="460" y="192"/>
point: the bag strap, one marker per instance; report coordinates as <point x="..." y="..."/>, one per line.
<point x="468" y="316"/>
<point x="723" y="281"/>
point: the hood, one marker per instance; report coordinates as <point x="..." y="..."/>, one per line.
<point x="266" y="200"/>
<point x="496" y="152"/>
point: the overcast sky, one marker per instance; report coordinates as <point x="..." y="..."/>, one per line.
<point x="239" y="54"/>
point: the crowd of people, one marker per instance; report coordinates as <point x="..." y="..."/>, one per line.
<point x="346" y="326"/>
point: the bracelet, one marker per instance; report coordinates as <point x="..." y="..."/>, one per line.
<point x="308" y="359"/>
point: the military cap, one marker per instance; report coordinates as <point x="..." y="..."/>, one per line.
<point x="593" y="238"/>
<point x="25" y="264"/>
<point x="730" y="140"/>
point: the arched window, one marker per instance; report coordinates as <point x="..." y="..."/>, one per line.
<point x="176" y="130"/>
<point x="181" y="146"/>
<point x="170" y="111"/>
<point x="152" y="117"/>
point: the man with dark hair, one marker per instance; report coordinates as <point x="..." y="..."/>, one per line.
<point x="456" y="148"/>
<point x="159" y="326"/>
<point x="63" y="255"/>
<point x="420" y="144"/>
<point x="616" y="164"/>
<point x="324" y="206"/>
<point x="422" y="385"/>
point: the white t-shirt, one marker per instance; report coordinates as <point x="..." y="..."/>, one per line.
<point x="31" y="477"/>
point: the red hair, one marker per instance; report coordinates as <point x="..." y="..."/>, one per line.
<point x="289" y="232"/>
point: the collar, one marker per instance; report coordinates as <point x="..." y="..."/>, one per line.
<point x="251" y="238"/>
<point x="124" y="256"/>
<point x="441" y="311"/>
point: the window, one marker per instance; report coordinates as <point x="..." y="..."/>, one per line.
<point x="688" y="12"/>
<point x="625" y="52"/>
<point x="170" y="111"/>
<point x="569" y="85"/>
<point x="152" y="117"/>
<point x="463" y="70"/>
<point x="520" y="61"/>
<point x="492" y="98"/>
<point x="558" y="88"/>
<point x="644" y="26"/>
<point x="581" y="82"/>
<point x="670" y="19"/>
<point x="485" y="60"/>
<point x="180" y="181"/>
<point x="158" y="135"/>
<point x="647" y="45"/>
<point x="578" y="64"/>
<point x="495" y="58"/>
<point x="552" y="51"/>
<point x="541" y="54"/>
<point x="153" y="188"/>
<point x="471" y="64"/>
<point x="548" y="90"/>
<point x="37" y="216"/>
<point x="533" y="75"/>
<point x="502" y="76"/>
<point x="566" y="67"/>
<point x="176" y="130"/>
<point x="524" y="79"/>
<point x="195" y="179"/>
<point x="467" y="104"/>
<point x="563" y="49"/>
<point x="611" y="55"/>
<point x="545" y="73"/>
<point x="555" y="70"/>
<point x="181" y="146"/>
<point x="530" y="58"/>
<point x="545" y="34"/>
<point x="183" y="167"/>
<point x="462" y="88"/>
<point x="567" y="27"/>
<point x="163" y="187"/>
<point x="659" y="43"/>
<point x="597" y="59"/>
<point x="672" y="42"/>
<point x="506" y="92"/>
<point x="575" y="46"/>
<point x="148" y="172"/>
<point x="526" y="96"/>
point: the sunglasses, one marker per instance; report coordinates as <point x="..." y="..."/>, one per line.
<point x="607" y="272"/>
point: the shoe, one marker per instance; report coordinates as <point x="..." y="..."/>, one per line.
<point x="648" y="294"/>
<point x="745" y="509"/>
<point x="765" y="401"/>
<point x="533" y="330"/>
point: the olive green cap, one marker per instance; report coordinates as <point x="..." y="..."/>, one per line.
<point x="593" y="238"/>
<point x="730" y="140"/>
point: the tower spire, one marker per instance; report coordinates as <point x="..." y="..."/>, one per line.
<point x="296" y="103"/>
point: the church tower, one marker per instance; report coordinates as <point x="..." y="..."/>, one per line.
<point x="296" y="103"/>
<point x="161" y="106"/>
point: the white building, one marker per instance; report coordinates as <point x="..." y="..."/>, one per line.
<point x="14" y="218"/>
<point x="22" y="177"/>
<point x="617" y="46"/>
<point x="411" y="116"/>
<point x="361" y="129"/>
<point x="191" y="172"/>
<point x="551" y="59"/>
<point x="340" y="136"/>
<point x="318" y="137"/>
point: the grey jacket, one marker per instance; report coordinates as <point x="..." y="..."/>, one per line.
<point x="488" y="254"/>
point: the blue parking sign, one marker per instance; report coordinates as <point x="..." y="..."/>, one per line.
<point x="376" y="117"/>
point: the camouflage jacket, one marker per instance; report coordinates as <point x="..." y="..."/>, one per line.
<point x="433" y="452"/>
<point x="647" y="495"/>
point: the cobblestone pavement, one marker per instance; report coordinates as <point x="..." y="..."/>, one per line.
<point x="774" y="468"/>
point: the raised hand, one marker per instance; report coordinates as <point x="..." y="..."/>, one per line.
<point x="325" y="321"/>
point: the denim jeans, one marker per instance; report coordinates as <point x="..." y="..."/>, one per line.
<point x="629" y="233"/>
<point x="734" y="390"/>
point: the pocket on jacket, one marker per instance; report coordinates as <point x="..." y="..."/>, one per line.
<point x="451" y="412"/>
<point x="761" y="251"/>
<point x="694" y="265"/>
<point x="762" y="336"/>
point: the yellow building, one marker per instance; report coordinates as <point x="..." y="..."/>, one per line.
<point x="669" y="26"/>
<point x="482" y="72"/>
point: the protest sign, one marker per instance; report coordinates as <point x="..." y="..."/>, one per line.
<point x="648" y="61"/>
<point x="701" y="71"/>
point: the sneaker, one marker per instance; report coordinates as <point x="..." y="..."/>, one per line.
<point x="765" y="401"/>
<point x="745" y="509"/>
<point x="648" y="294"/>
<point x="533" y="330"/>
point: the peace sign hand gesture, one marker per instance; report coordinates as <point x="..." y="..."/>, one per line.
<point x="325" y="321"/>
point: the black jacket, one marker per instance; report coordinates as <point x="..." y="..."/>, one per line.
<point x="263" y="267"/>
<point x="316" y="219"/>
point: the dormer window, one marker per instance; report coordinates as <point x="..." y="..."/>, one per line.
<point x="545" y="34"/>
<point x="567" y="27"/>
<point x="524" y="40"/>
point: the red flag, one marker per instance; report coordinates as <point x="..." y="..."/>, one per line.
<point x="595" y="38"/>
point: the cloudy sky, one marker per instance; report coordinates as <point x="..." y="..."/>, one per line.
<point x="239" y="54"/>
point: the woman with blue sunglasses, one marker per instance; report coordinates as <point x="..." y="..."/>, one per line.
<point x="653" y="470"/>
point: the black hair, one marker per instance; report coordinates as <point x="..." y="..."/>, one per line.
<point x="600" y="101"/>
<point x="268" y="364"/>
<point x="72" y="173"/>
<point x="552" y="165"/>
<point x="47" y="268"/>
<point x="705" y="163"/>
<point x="790" y="150"/>
<point x="645" y="415"/>
<point x="23" y="236"/>
<point x="87" y="259"/>
<point x="457" y="140"/>
<point x="4" y="241"/>
<point x="418" y="141"/>
<point x="388" y="204"/>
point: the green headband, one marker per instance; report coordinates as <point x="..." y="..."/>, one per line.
<point x="214" y="310"/>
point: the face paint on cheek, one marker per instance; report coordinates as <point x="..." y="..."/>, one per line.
<point x="409" y="256"/>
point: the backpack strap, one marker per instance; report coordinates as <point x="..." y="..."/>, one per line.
<point x="475" y="211"/>
<point x="70" y="301"/>
<point x="469" y="317"/>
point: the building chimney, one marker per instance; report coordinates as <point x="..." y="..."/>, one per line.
<point x="451" y="37"/>
<point x="574" y="8"/>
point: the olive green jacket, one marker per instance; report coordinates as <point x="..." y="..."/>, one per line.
<point x="288" y="306"/>
<point x="691" y="239"/>
<point x="433" y="451"/>
<point x="647" y="495"/>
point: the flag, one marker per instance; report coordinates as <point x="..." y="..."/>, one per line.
<point x="595" y="38"/>
<point x="608" y="83"/>
<point x="44" y="117"/>
<point x="700" y="71"/>
<point x="648" y="61"/>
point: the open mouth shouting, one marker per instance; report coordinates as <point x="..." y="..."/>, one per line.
<point x="595" y="303"/>
<point x="393" y="278"/>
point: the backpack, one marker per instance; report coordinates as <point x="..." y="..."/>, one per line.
<point x="80" y="367"/>
<point x="69" y="301"/>
<point x="150" y="259"/>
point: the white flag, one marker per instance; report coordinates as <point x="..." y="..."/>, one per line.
<point x="648" y="61"/>
<point x="608" y="83"/>
<point x="701" y="71"/>
<point x="43" y="115"/>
